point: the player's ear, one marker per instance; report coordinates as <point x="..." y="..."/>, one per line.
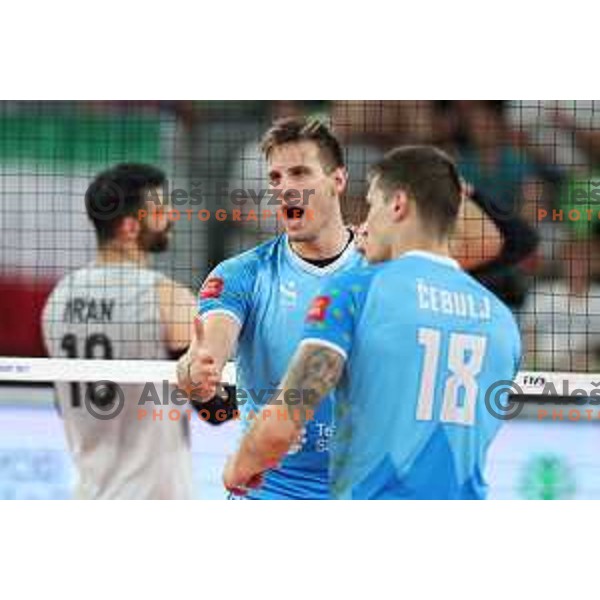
<point x="128" y="229"/>
<point x="340" y="180"/>
<point x="399" y="206"/>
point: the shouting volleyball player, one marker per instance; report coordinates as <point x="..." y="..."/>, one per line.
<point x="412" y="343"/>
<point x="257" y="301"/>
<point x="119" y="308"/>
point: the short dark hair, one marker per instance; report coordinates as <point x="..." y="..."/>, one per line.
<point x="429" y="176"/>
<point x="301" y="129"/>
<point x="117" y="193"/>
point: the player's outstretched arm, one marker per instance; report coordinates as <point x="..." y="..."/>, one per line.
<point x="220" y="337"/>
<point x="314" y="371"/>
<point x="224" y="302"/>
<point x="177" y="310"/>
<point x="479" y="248"/>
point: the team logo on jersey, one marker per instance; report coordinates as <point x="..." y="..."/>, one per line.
<point x="212" y="288"/>
<point x="289" y="295"/>
<point x="317" y="309"/>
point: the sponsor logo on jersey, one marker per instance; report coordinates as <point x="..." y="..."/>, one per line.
<point x="317" y="310"/>
<point x="212" y="288"/>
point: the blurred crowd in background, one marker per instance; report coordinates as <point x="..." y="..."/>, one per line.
<point x="536" y="159"/>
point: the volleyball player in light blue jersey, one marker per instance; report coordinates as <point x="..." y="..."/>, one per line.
<point x="267" y="292"/>
<point x="257" y="301"/>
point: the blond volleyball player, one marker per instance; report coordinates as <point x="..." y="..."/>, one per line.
<point x="118" y="307"/>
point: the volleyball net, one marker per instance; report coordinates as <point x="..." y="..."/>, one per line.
<point x="535" y="160"/>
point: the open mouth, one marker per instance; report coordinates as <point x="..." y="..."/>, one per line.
<point x="293" y="212"/>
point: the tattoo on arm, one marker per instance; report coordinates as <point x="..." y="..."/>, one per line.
<point x="314" y="371"/>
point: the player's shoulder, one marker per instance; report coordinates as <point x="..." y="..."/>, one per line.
<point x="65" y="288"/>
<point x="67" y="283"/>
<point x="503" y="314"/>
<point x="371" y="274"/>
<point x="252" y="260"/>
<point x="358" y="278"/>
<point x="95" y="277"/>
<point x="421" y="261"/>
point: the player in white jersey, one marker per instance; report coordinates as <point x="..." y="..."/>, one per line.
<point x="119" y="308"/>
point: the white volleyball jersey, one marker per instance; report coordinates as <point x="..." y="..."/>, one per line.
<point x="113" y="312"/>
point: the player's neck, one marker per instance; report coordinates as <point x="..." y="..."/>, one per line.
<point x="330" y="242"/>
<point x="115" y="255"/>
<point x="417" y="244"/>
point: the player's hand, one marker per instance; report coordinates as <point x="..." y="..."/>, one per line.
<point x="205" y="379"/>
<point x="196" y="371"/>
<point x="238" y="482"/>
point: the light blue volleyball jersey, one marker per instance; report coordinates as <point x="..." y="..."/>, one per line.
<point x="423" y="343"/>
<point x="268" y="290"/>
